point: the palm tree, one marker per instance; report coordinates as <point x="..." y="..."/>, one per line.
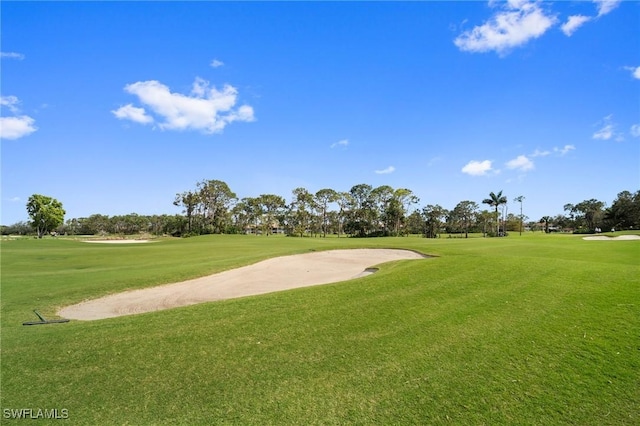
<point x="496" y="200"/>
<point x="519" y="199"/>
<point x="546" y="220"/>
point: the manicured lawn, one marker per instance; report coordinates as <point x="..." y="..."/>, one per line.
<point x="538" y="329"/>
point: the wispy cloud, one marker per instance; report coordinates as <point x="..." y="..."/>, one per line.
<point x="216" y="63"/>
<point x="516" y="23"/>
<point x="433" y="161"/>
<point x="635" y="130"/>
<point x="10" y="102"/>
<point x="564" y="150"/>
<point x="576" y="21"/>
<point x="386" y="171"/>
<point x="573" y="23"/>
<point x="521" y="162"/>
<point x="539" y="153"/>
<point x="477" y="168"/>
<point x="606" y="6"/>
<point x="16" y="126"/>
<point x="606" y="131"/>
<point x="558" y="151"/>
<point x="343" y="143"/>
<point x="12" y="55"/>
<point x="206" y="108"/>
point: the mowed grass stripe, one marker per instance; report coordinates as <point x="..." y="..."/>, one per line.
<point x="489" y="332"/>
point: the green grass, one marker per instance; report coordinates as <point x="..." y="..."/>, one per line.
<point x="538" y="329"/>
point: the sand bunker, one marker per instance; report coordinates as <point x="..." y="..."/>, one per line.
<point x="280" y="273"/>
<point x="618" y="238"/>
<point x="117" y="241"/>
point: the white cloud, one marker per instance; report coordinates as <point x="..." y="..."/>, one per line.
<point x="564" y="150"/>
<point x="477" y="168"/>
<point x="16" y="127"/>
<point x="199" y="87"/>
<point x="635" y="130"/>
<point x="635" y="72"/>
<point x="216" y="63"/>
<point x="573" y="23"/>
<point x="12" y="55"/>
<point x="514" y="25"/>
<point x="521" y="162"/>
<point x="538" y="153"/>
<point x="606" y="6"/>
<point x="207" y="109"/>
<point x="386" y="171"/>
<point x="129" y="112"/>
<point x="343" y="143"/>
<point x="576" y="21"/>
<point x="607" y="131"/>
<point x="10" y="102"/>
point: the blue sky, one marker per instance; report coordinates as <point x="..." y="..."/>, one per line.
<point x="114" y="107"/>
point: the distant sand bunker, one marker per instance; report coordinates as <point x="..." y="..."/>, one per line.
<point x="117" y="241"/>
<point x="618" y="238"/>
<point x="280" y="273"/>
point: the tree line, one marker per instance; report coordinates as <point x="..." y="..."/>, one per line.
<point x="589" y="215"/>
<point x="362" y="211"/>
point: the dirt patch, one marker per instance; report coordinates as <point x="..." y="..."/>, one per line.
<point x="280" y="273"/>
